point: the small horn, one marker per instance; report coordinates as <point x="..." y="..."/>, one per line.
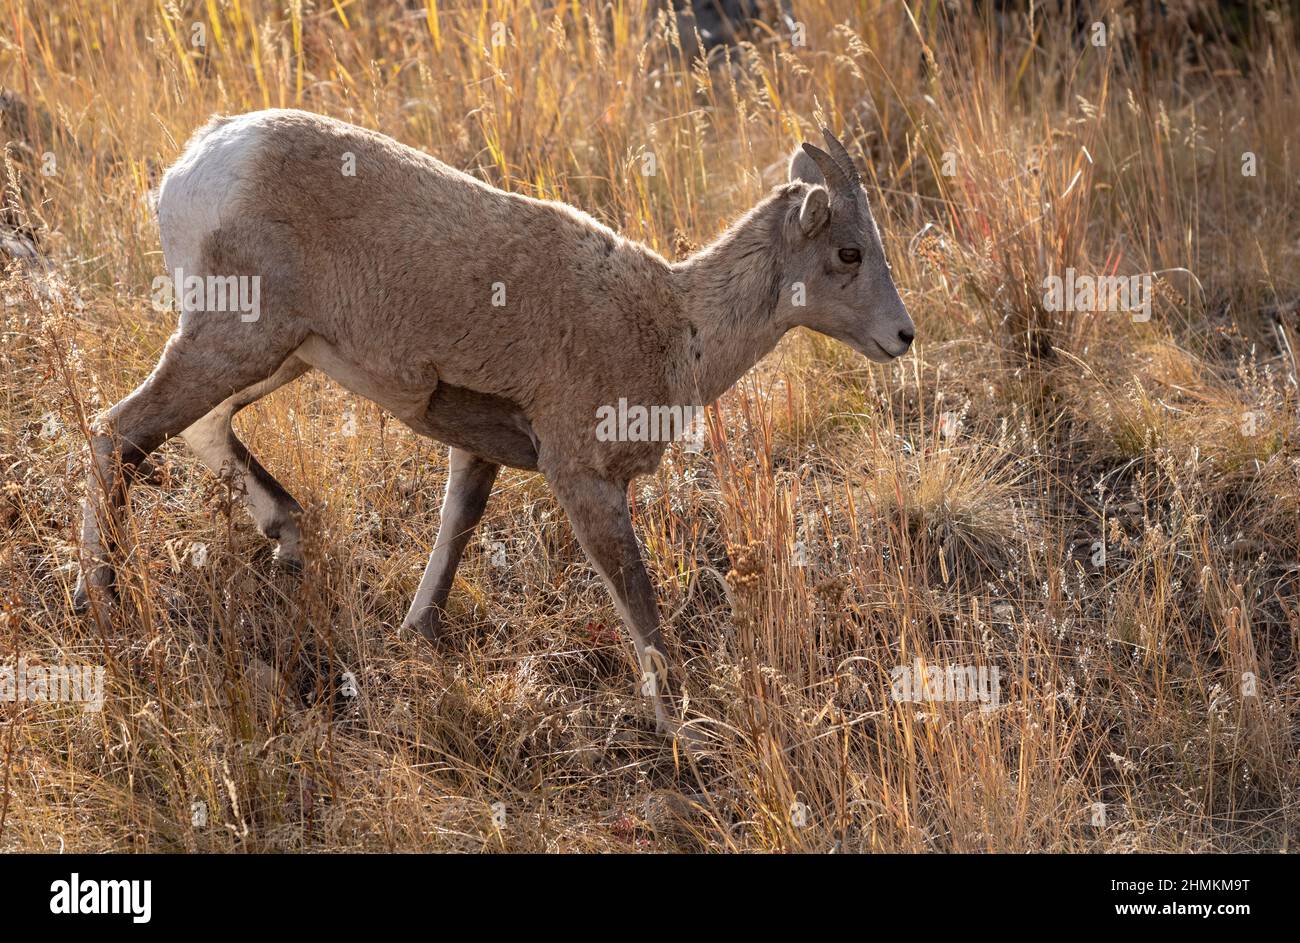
<point x="842" y="157"/>
<point x="829" y="166"/>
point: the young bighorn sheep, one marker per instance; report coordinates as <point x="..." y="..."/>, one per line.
<point x="493" y="322"/>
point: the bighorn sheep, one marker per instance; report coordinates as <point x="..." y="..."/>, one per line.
<point x="493" y="322"/>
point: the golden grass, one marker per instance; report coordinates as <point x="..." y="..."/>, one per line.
<point x="845" y="519"/>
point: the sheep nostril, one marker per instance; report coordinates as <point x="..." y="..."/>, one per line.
<point x="906" y="336"/>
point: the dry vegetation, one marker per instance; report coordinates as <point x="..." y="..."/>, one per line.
<point x="948" y="507"/>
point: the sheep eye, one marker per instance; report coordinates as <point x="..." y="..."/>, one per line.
<point x="850" y="256"/>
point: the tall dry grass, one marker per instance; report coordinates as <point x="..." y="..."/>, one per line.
<point x="845" y="519"/>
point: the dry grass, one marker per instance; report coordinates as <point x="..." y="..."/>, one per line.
<point x="948" y="507"/>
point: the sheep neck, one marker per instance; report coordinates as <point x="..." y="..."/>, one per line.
<point x="730" y="292"/>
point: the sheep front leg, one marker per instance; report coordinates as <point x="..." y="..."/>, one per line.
<point x="598" y="511"/>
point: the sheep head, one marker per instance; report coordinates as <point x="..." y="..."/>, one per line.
<point x="835" y="255"/>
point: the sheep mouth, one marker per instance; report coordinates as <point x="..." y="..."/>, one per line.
<point x="874" y="351"/>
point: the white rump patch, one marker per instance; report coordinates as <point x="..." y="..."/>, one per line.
<point x="199" y="190"/>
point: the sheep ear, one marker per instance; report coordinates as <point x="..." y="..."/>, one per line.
<point x="815" y="212"/>
<point x="804" y="168"/>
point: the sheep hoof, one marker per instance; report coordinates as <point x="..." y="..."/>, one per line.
<point x="80" y="599"/>
<point x="105" y="596"/>
<point x="288" y="560"/>
<point x="688" y="738"/>
<point x="427" y="626"/>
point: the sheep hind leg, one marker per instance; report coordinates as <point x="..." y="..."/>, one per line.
<point x="213" y="440"/>
<point x="469" y="485"/>
<point x="193" y="377"/>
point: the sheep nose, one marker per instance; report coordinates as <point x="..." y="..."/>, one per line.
<point x="906" y="336"/>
